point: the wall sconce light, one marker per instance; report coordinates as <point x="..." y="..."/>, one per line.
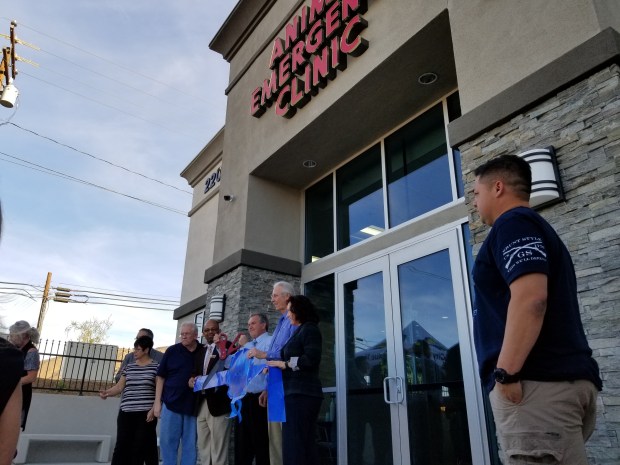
<point x="9" y="95"/>
<point x="216" y="307"/>
<point x="546" y="182"/>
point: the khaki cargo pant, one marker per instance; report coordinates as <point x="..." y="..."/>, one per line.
<point x="549" y="426"/>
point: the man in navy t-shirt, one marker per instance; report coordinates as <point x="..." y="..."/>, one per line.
<point x="532" y="352"/>
<point x="174" y="399"/>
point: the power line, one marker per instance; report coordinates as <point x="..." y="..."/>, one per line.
<point x="113" y="296"/>
<point x="97" y="158"/>
<point x="23" y="293"/>
<point x="96" y="300"/>
<point x="73" y="301"/>
<point x="81" y="181"/>
<point x="167" y="128"/>
<point x="117" y="81"/>
<point x="88" y="289"/>
<point x="114" y="93"/>
<point x="120" y="305"/>
<point x="73" y="295"/>
<point x="110" y="62"/>
<point x="22" y="284"/>
<point x="33" y="168"/>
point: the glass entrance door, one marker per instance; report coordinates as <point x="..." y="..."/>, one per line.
<point x="408" y="394"/>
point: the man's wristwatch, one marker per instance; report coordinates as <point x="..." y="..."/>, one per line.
<point x="501" y="376"/>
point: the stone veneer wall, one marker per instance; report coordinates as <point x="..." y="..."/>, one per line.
<point x="248" y="290"/>
<point x="583" y="124"/>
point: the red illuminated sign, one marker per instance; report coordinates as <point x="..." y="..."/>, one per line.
<point x="316" y="45"/>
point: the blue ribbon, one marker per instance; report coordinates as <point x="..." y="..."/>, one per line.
<point x="275" y="396"/>
<point x="242" y="373"/>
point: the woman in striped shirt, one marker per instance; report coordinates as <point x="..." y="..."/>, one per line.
<point x="136" y="438"/>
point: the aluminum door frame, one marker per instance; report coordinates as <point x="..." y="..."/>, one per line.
<point x="387" y="264"/>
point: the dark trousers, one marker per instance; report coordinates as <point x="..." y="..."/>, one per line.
<point x="252" y="438"/>
<point x="136" y="440"/>
<point x="26" y="400"/>
<point x="299" y="430"/>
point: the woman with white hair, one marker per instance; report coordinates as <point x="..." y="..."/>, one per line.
<point x="24" y="336"/>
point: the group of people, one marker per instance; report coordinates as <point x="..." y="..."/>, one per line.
<point x="533" y="356"/>
<point x="197" y="422"/>
<point x="19" y="366"/>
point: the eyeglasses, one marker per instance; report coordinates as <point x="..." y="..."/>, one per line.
<point x="186" y="334"/>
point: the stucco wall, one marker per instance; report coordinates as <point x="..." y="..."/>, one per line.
<point x="204" y="176"/>
<point x="199" y="254"/>
<point x="250" y="141"/>
<point x="497" y="44"/>
<point x="583" y="124"/>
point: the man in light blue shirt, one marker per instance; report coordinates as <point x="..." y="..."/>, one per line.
<point x="252" y="439"/>
<point x="261" y="339"/>
<point x="282" y="291"/>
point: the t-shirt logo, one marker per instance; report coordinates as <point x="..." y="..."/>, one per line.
<point x="523" y="250"/>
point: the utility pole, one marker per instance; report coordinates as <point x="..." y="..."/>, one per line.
<point x="8" y="71"/>
<point x="44" y="302"/>
<point x="5" y="67"/>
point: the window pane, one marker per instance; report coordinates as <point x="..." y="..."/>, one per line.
<point x="454" y="112"/>
<point x="488" y="414"/>
<point x="369" y="427"/>
<point x="319" y="220"/>
<point x="417" y="167"/>
<point x="327" y="429"/>
<point x="360" y="198"/>
<point x="321" y="293"/>
<point x="435" y="389"/>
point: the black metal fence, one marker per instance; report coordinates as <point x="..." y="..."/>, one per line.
<point x="77" y="366"/>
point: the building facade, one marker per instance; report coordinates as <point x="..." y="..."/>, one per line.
<point x="346" y="167"/>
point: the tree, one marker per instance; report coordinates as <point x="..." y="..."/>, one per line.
<point x="93" y="331"/>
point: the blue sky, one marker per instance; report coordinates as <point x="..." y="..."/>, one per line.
<point x="133" y="83"/>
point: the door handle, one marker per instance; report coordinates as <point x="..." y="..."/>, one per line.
<point x="399" y="390"/>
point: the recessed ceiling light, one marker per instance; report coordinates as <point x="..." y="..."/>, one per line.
<point x="372" y="230"/>
<point x="309" y="164"/>
<point x="427" y="79"/>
